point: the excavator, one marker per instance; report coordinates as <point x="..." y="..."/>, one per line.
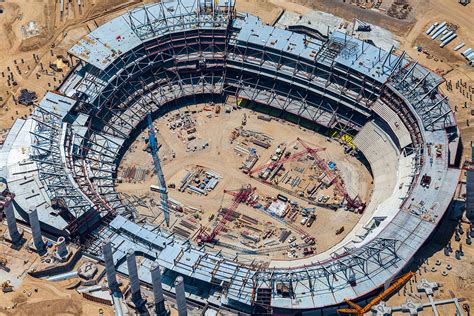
<point x="360" y="311"/>
<point x="7" y="287"/>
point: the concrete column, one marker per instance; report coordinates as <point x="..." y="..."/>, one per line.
<point x="36" y="229"/>
<point x="160" y="309"/>
<point x="11" y="220"/>
<point x="180" y="296"/>
<point x="133" y="276"/>
<point x="109" y="265"/>
<point x="62" y="248"/>
<point x="470" y="190"/>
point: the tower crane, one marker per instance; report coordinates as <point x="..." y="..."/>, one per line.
<point x="159" y="173"/>
<point x="241" y="196"/>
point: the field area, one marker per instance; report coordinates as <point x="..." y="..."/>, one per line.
<point x="217" y="144"/>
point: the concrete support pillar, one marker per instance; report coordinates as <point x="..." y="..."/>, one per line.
<point x="62" y="248"/>
<point x="160" y="309"/>
<point x="470" y="190"/>
<point x="133" y="276"/>
<point x="180" y="296"/>
<point x="109" y="265"/>
<point x="15" y="235"/>
<point x="36" y="229"/>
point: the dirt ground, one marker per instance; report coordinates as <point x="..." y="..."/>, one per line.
<point x="40" y="297"/>
<point x="220" y="157"/>
<point x="55" y="36"/>
<point x="267" y="10"/>
<point x="33" y="296"/>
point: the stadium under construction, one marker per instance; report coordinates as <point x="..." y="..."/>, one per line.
<point x="62" y="160"/>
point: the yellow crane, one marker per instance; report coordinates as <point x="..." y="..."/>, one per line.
<point x="360" y="311"/>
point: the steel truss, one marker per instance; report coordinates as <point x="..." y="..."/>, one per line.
<point x="151" y="21"/>
<point x="342" y="271"/>
<point x="420" y="88"/>
<point x="48" y="136"/>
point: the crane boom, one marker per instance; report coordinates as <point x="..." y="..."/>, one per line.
<point x="294" y="156"/>
<point x="355" y="203"/>
<point x="159" y="172"/>
<point x="360" y="311"/>
<point x="241" y="197"/>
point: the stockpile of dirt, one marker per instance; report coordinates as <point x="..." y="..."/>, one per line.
<point x="349" y="12"/>
<point x="40" y="297"/>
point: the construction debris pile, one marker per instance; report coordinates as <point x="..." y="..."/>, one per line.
<point x="399" y="9"/>
<point x="367" y="4"/>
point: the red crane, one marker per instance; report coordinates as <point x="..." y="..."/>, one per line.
<point x="241" y="196"/>
<point x="353" y="203"/>
<point x="272" y="164"/>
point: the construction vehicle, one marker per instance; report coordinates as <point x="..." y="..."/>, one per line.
<point x="7" y="287"/>
<point x="360" y="311"/>
<point x="352" y="203"/>
<point x="340" y="230"/>
<point x="362" y="26"/>
<point x="308" y="211"/>
<point x="153" y="144"/>
<point x="311" y="219"/>
<point x="241" y="196"/>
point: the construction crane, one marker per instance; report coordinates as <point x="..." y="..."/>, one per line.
<point x="360" y="311"/>
<point x="153" y="143"/>
<point x="272" y="164"/>
<point x="241" y="196"/>
<point x="352" y="203"/>
<point x="362" y="27"/>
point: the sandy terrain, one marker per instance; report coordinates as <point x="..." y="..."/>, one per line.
<point x="55" y="37"/>
<point x="220" y="157"/>
<point x="265" y="9"/>
<point x="40" y="297"/>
